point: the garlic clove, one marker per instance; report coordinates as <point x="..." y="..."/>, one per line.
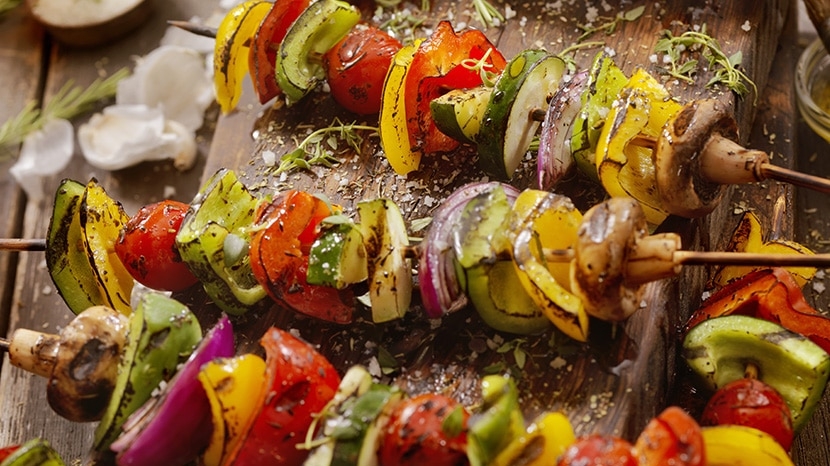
<point x="44" y="152"/>
<point x="173" y="78"/>
<point x="125" y="135"/>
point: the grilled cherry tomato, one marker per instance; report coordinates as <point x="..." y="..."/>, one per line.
<point x="356" y="68"/>
<point x="417" y="433"/>
<point x="266" y="42"/>
<point x="279" y="257"/>
<point x="752" y="403"/>
<point x="673" y="437"/>
<point x="147" y="247"/>
<point x="301" y="384"/>
<point x="441" y="63"/>
<point x="598" y="450"/>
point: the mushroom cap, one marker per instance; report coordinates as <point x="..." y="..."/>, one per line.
<point x="86" y="366"/>
<point x="681" y="184"/>
<point x="606" y="237"/>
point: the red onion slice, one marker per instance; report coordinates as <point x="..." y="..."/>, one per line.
<point x="554" y="160"/>
<point x="441" y="292"/>
<point x="175" y="426"/>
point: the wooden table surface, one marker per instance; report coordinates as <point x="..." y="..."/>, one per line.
<point x="35" y="67"/>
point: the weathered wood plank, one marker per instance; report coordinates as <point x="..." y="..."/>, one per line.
<point x="21" y="50"/>
<point x="36" y="304"/>
<point x="612" y="386"/>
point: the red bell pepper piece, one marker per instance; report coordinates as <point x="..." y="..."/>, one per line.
<point x="771" y="294"/>
<point x="301" y="383"/>
<point x="436" y="69"/>
<point x="279" y="257"/>
<point x="263" y="53"/>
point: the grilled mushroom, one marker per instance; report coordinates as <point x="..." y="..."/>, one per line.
<point x="81" y="362"/>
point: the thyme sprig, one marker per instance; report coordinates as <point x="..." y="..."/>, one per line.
<point x="681" y="65"/>
<point x="70" y="101"/>
<point x="610" y="25"/>
<point x="319" y="146"/>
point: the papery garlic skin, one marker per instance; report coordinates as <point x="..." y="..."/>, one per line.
<point x="45" y="152"/>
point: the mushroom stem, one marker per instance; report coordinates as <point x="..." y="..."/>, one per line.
<point x="33" y="351"/>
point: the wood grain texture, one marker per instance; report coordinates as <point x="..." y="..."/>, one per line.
<point x="610" y="384"/>
<point x="36" y="304"/>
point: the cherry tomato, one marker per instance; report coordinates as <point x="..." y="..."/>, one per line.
<point x="673" y="437"/>
<point x="416" y="433"/>
<point x="751" y="403"/>
<point x="147" y="247"/>
<point x="279" y="257"/>
<point x="598" y="450"/>
<point x="266" y="42"/>
<point x="356" y="68"/>
<point x="437" y="67"/>
<point x="301" y="384"/>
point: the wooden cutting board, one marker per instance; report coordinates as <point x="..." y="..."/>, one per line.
<point x="621" y="377"/>
<point x="613" y="384"/>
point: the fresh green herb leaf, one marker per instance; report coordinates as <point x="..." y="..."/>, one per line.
<point x="724" y="68"/>
<point x="520" y="356"/>
<point x="610" y="24"/>
<point x="338" y="219"/>
<point x="319" y="146"/>
<point x="388" y="363"/>
<point x="419" y="224"/>
<point x="69" y="102"/>
<point x="453" y="424"/>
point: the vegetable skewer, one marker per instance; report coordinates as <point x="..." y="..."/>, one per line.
<point x="678" y="257"/>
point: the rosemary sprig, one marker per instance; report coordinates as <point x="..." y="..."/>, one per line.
<point x="610" y="24"/>
<point x="724" y="67"/>
<point x="8" y="5"/>
<point x="319" y="146"/>
<point x="488" y="14"/>
<point x="69" y="102"/>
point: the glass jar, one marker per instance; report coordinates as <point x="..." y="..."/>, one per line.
<point x="812" y="88"/>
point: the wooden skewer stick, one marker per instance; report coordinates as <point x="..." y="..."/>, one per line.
<point x="681" y="257"/>
<point x="20" y="244"/>
<point x="722" y="258"/>
<point x="4" y="344"/>
<point x="198" y="29"/>
<point x="565" y="255"/>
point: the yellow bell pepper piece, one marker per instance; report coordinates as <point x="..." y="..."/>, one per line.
<point x="546" y="438"/>
<point x="541" y="220"/>
<point x="749" y="237"/>
<point x="734" y="445"/>
<point x="235" y="389"/>
<point x="394" y="135"/>
<point x="230" y="54"/>
<point x="625" y="167"/>
<point x="101" y="219"/>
